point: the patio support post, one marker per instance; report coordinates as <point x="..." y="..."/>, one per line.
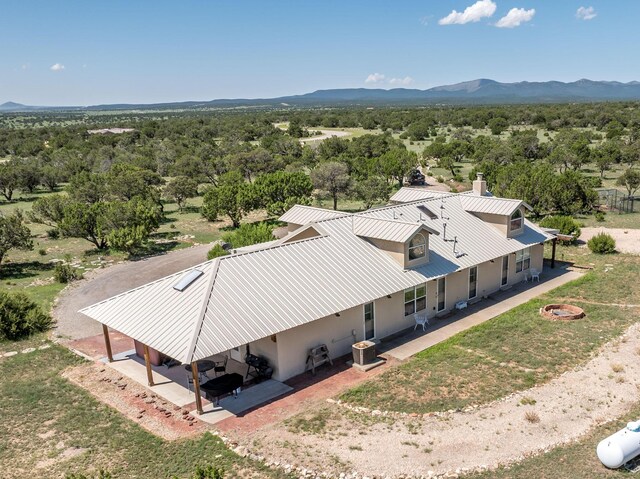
<point x="196" y="386"/>
<point x="107" y="342"/>
<point x="147" y="362"/>
<point x="553" y="252"/>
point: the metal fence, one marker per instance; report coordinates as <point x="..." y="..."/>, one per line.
<point x="619" y="201"/>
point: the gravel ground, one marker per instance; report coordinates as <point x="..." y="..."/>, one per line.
<point x="101" y="284"/>
<point x="627" y="240"/>
<point x="498" y="433"/>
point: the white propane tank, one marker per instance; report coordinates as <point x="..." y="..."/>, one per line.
<point x="620" y="447"/>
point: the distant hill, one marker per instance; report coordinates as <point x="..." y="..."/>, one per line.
<point x="470" y="92"/>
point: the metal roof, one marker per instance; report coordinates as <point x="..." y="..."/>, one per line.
<point x="301" y="215"/>
<point x="386" y="229"/>
<point x="407" y="194"/>
<point x="248" y="296"/>
<point x="491" y="204"/>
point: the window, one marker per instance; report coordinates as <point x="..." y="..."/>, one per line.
<point x="523" y="260"/>
<point x="415" y="299"/>
<point x="473" y="282"/>
<point x="417" y="247"/>
<point x="369" y="321"/>
<point x="516" y="220"/>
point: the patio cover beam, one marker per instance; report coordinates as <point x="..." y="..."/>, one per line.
<point x="196" y="386"/>
<point x="147" y="362"/>
<point x="107" y="342"/>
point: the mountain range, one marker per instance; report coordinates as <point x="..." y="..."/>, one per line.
<point x="480" y="91"/>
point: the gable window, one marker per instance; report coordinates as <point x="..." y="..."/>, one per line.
<point x="516" y="220"/>
<point x="415" y="299"/>
<point x="523" y="260"/>
<point x="417" y="247"/>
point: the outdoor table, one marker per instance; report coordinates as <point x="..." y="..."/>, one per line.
<point x="227" y="383"/>
<point x="203" y="366"/>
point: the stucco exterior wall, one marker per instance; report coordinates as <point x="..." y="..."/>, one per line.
<point x="293" y="346"/>
<point x="392" y="248"/>
<point x="335" y="332"/>
<point x="500" y="222"/>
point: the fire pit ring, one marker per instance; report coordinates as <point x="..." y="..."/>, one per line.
<point x="565" y="312"/>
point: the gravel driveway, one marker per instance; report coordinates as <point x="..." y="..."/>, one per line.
<point x="101" y="284"/>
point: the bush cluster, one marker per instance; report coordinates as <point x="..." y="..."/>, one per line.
<point x="565" y="224"/>
<point x="20" y="317"/>
<point x="602" y="243"/>
<point x="65" y="273"/>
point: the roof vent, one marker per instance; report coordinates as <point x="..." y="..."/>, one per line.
<point x="187" y="279"/>
<point x="427" y="211"/>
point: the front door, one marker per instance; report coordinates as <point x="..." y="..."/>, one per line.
<point x="505" y="270"/>
<point x="369" y="321"/>
<point x="442" y="293"/>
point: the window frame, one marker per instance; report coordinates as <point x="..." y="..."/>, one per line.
<point x="415" y="299"/>
<point x="519" y="219"/>
<point x="523" y="260"/>
<point x="422" y="245"/>
<point x="475" y="285"/>
<point x="373" y="319"/>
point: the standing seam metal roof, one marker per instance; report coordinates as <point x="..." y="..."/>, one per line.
<point x="248" y="296"/>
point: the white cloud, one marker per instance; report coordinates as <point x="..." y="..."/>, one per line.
<point x="401" y="81"/>
<point x="57" y="67"/>
<point x="586" y="13"/>
<point x="473" y="13"/>
<point x="515" y="18"/>
<point x="375" y="78"/>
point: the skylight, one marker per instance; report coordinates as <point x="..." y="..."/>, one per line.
<point x="428" y="212"/>
<point x="187" y="279"/>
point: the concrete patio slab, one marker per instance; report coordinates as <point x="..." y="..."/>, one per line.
<point x="441" y="329"/>
<point x="246" y="400"/>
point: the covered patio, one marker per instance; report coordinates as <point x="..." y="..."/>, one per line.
<point x="188" y="389"/>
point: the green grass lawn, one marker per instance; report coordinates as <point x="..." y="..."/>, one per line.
<point x="515" y="350"/>
<point x="43" y="415"/>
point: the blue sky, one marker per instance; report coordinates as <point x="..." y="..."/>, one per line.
<point x="81" y="52"/>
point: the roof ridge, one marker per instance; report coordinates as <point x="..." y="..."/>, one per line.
<point x="269" y="248"/>
<point x="203" y="311"/>
<point x="391" y="220"/>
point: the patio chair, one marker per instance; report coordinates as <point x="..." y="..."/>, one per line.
<point x="535" y="274"/>
<point x="421" y="320"/>
<point x="221" y="366"/>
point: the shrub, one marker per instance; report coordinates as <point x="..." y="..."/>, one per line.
<point x="249" y="233"/>
<point x="565" y="224"/>
<point x="53" y="234"/>
<point x="458" y="177"/>
<point x="42" y="252"/>
<point x="208" y="472"/>
<point x="602" y="243"/>
<point x="20" y="317"/>
<point x="440" y="179"/>
<point x="216" y="251"/>
<point x="65" y="273"/>
<point x="599" y="215"/>
<point x="101" y="475"/>
<point x="532" y="417"/>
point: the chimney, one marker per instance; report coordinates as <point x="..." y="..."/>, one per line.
<point x="479" y="186"/>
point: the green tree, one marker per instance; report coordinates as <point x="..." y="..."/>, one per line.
<point x="49" y="210"/>
<point x="372" y="190"/>
<point x="124" y="181"/>
<point x="605" y="155"/>
<point x="498" y="125"/>
<point x="13" y="234"/>
<point x="233" y="197"/>
<point x="333" y="178"/>
<point x="277" y="192"/>
<point x="630" y="179"/>
<point x="397" y="163"/>
<point x="180" y="189"/>
<point x="9" y="180"/>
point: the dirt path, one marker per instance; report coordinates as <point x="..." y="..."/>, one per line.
<point x="627" y="240"/>
<point x="393" y="446"/>
<point x="103" y="283"/>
